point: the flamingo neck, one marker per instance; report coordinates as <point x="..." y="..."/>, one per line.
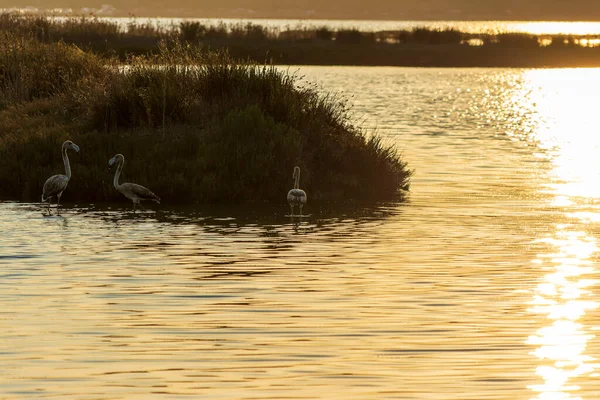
<point x="297" y="182"/>
<point x="117" y="174"/>
<point x="66" y="162"/>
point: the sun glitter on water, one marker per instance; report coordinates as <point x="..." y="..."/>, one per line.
<point x="566" y="128"/>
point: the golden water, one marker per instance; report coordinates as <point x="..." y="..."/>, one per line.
<point x="483" y="285"/>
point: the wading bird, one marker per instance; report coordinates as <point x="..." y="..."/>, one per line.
<point x="132" y="191"/>
<point x="296" y="196"/>
<point x="56" y="184"/>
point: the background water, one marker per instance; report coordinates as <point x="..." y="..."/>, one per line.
<point x="483" y="285"/>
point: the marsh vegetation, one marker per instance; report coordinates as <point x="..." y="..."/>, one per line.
<point x="197" y="125"/>
<point x="298" y="45"/>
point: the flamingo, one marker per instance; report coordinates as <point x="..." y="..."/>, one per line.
<point x="56" y="184"/>
<point x="132" y="191"/>
<point x="296" y="196"/>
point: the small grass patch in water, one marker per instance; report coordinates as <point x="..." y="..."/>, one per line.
<point x="194" y="126"/>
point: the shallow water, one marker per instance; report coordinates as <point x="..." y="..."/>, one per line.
<point x="482" y="285"/>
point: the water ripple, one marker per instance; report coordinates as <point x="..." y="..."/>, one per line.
<point x="482" y="285"/>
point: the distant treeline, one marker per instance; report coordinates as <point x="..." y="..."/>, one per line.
<point x="320" y="45"/>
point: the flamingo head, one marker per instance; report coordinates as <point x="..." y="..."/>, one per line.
<point x="117" y="158"/>
<point x="70" y="145"/>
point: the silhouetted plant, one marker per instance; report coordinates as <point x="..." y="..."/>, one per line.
<point x="249" y="31"/>
<point x="216" y="32"/>
<point x="145" y="29"/>
<point x="354" y="36"/>
<point x="403" y="37"/>
<point x="324" y="33"/>
<point x="517" y="39"/>
<point x="433" y="36"/>
<point x="191" y="30"/>
<point x="563" y="41"/>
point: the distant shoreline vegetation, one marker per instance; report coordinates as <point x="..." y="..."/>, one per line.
<point x="421" y="47"/>
<point x="196" y="126"/>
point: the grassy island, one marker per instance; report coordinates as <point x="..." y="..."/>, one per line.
<point x="195" y="126"/>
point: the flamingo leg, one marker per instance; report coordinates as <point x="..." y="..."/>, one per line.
<point x="300" y="205"/>
<point x="292" y="208"/>
<point x="57" y="204"/>
<point x="134" y="207"/>
<point x="48" y="206"/>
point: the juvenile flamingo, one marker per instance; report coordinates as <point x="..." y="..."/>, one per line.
<point x="132" y="191"/>
<point x="56" y="184"/>
<point x="296" y="196"/>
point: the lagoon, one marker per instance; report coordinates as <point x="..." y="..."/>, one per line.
<point x="482" y="285"/>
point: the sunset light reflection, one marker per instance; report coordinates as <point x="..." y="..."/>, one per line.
<point x="567" y="130"/>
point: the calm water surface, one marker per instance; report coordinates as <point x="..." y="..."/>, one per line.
<point x="482" y="285"/>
